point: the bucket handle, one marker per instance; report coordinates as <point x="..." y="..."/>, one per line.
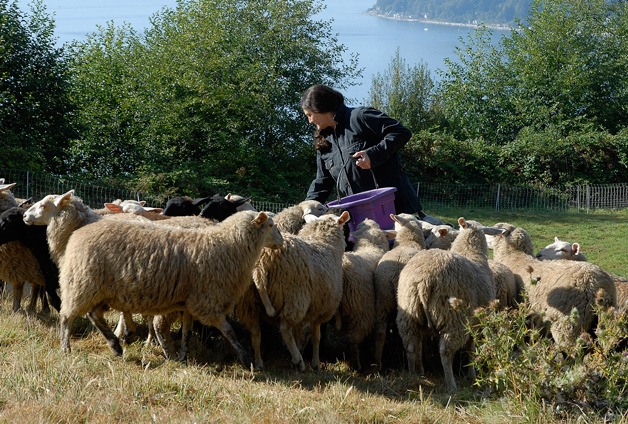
<point x="344" y="164"/>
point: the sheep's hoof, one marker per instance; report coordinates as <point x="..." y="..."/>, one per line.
<point x="258" y="366"/>
<point x="300" y="365"/>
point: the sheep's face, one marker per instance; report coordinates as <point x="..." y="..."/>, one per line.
<point x="441" y="237"/>
<point x="559" y="250"/>
<point x="313" y="207"/>
<point x="42" y="212"/>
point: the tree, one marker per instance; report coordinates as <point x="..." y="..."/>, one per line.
<point x="206" y="99"/>
<point x="566" y="67"/>
<point x="34" y="102"/>
<point x="405" y="93"/>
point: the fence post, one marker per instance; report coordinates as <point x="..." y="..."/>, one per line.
<point x="588" y="188"/>
<point x="28" y="185"/>
<point x="497" y="197"/>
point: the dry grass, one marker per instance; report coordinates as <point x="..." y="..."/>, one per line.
<point x="39" y="383"/>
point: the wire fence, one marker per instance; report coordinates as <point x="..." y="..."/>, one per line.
<point x="434" y="196"/>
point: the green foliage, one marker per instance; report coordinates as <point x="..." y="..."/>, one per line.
<point x="34" y="104"/>
<point x="405" y="93"/>
<point x="516" y="360"/>
<point x="565" y="66"/>
<point x="195" y="94"/>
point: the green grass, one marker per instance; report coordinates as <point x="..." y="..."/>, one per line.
<point x="39" y="383"/>
<point x="603" y="235"/>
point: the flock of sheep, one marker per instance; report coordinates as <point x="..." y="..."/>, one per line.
<point x="227" y="263"/>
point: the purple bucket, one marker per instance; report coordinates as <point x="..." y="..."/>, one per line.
<point x="375" y="204"/>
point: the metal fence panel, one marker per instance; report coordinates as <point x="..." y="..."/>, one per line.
<point x="433" y="196"/>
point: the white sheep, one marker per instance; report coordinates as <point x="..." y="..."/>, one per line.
<point x="572" y="251"/>
<point x="506" y="288"/>
<point x="64" y="214"/>
<point x="438" y="292"/>
<point x="564" y="293"/>
<point x="201" y="271"/>
<point x="303" y="280"/>
<point x="355" y="318"/>
<point x="409" y="240"/>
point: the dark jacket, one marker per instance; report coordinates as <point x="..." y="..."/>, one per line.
<point x="382" y="138"/>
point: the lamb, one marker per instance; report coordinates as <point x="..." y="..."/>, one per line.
<point x="355" y="318"/>
<point x="7" y="199"/>
<point x="203" y="272"/>
<point x="438" y="291"/>
<point x="13" y="228"/>
<point x="565" y="250"/>
<point x="303" y="280"/>
<point x="184" y="206"/>
<point x="564" y="293"/>
<point x="409" y="240"/>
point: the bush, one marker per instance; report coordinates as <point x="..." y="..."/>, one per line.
<point x="515" y="359"/>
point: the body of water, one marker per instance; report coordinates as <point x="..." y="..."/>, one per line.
<point x="374" y="39"/>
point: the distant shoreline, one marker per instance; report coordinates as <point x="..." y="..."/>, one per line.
<point x="399" y="17"/>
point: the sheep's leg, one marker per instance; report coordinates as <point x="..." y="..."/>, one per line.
<point x="161" y="326"/>
<point x="45" y="304"/>
<point x="126" y="327"/>
<point x="263" y="293"/>
<point x="227" y="331"/>
<point x="148" y="319"/>
<point x="315" y="337"/>
<point x="446" y="359"/>
<point x="32" y="303"/>
<point x="186" y="329"/>
<point x="65" y="323"/>
<point x="288" y="337"/>
<point x="18" y="291"/>
<point x="354" y="350"/>
<point x="256" y="340"/>
<point x="97" y="318"/>
<point x="380" y="340"/>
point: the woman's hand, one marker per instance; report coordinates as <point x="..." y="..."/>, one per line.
<point x="363" y="161"/>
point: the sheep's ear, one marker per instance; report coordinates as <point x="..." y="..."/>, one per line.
<point x="493" y="231"/>
<point x="64" y="199"/>
<point x="443" y="232"/>
<point x="113" y="207"/>
<point x="390" y="234"/>
<point x="142" y="202"/>
<point x="200" y="200"/>
<point x="575" y="248"/>
<point x="344" y="218"/>
<point x="260" y="218"/>
<point x="155" y="210"/>
<point x="397" y="218"/>
<point x="308" y="217"/>
<point x="462" y="223"/>
<point x="6" y="187"/>
<point x="556" y="240"/>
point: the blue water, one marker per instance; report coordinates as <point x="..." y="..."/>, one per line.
<point x="374" y="39"/>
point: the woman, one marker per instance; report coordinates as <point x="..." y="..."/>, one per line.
<point x="358" y="149"/>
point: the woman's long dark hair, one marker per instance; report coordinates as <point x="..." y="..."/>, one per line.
<point x="320" y="98"/>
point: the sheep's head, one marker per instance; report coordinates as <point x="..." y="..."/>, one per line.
<point x="313" y="207"/>
<point x="184" y="206"/>
<point x="561" y="250"/>
<point x="42" y="212"/>
<point x="11" y="224"/>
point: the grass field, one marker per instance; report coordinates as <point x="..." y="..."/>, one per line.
<point x="38" y="383"/>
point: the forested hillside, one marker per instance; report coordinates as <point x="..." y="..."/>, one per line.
<point x="502" y="12"/>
